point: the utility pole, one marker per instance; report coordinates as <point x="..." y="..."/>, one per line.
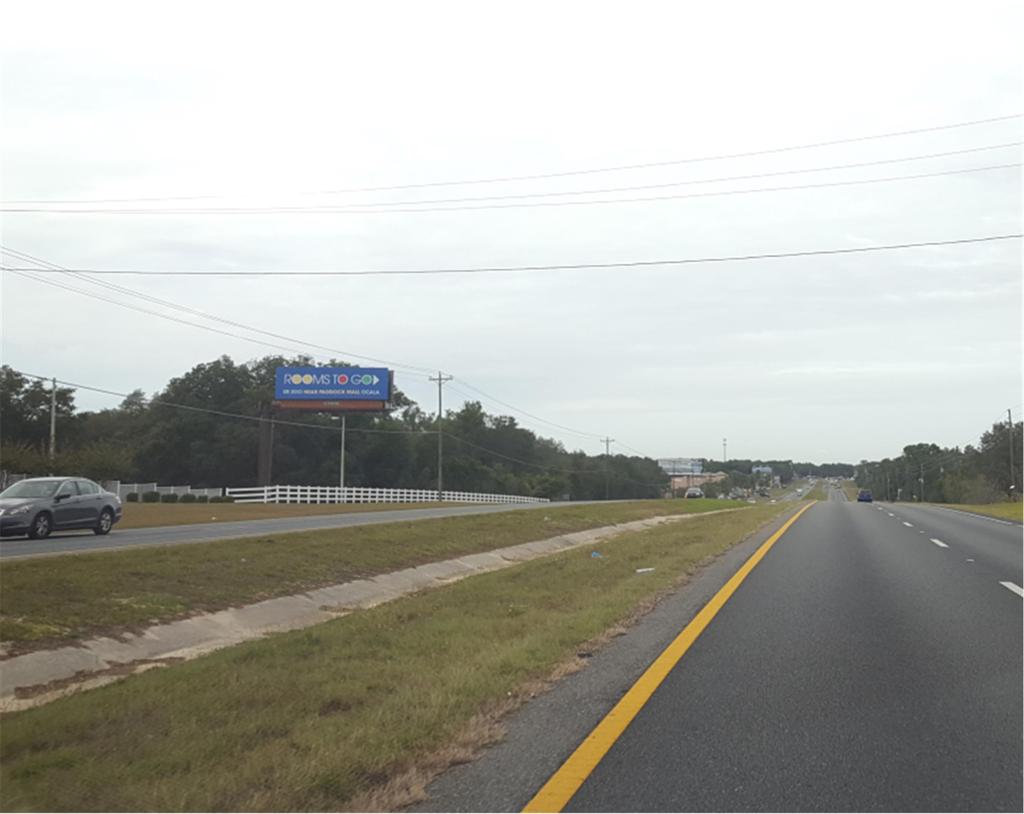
<point x="441" y="379"/>
<point x="53" y="422"/>
<point x="723" y="452"/>
<point x="1013" y="471"/>
<point x="607" y="454"/>
<point x="920" y="495"/>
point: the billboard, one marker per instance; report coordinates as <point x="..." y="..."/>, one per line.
<point x="333" y="384"/>
<point x="681" y="466"/>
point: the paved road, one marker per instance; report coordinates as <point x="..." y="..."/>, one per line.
<point x="861" y="666"/>
<point x="865" y="664"/>
<point x="66" y="542"/>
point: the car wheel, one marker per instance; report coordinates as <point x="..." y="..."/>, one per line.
<point x="42" y="525"/>
<point x="106" y="522"/>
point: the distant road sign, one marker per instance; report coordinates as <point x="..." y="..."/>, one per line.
<point x="332" y="384"/>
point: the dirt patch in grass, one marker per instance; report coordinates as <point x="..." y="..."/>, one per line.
<point x="54" y="600"/>
<point x="356" y="713"/>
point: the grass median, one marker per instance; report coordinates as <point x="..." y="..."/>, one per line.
<point x="49" y="600"/>
<point x="320" y="719"/>
<point x="148" y="515"/>
<point x="1004" y="511"/>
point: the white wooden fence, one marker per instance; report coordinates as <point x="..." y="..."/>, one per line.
<point x="359" y="494"/>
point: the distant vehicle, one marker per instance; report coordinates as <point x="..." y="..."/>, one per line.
<point x="37" y="506"/>
<point x="864" y="496"/>
<point x="763" y="492"/>
<point x="694" y="491"/>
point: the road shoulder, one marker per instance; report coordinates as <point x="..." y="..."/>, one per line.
<point x="543" y="733"/>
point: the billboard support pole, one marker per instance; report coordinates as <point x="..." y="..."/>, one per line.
<point x="342" y="465"/>
<point x="441" y="379"/>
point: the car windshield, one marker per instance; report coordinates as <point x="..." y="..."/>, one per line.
<point x="31" y="488"/>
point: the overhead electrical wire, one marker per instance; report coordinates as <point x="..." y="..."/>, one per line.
<point x="205" y="315"/>
<point x="687" y="182"/>
<point x="286" y="422"/>
<point x="568" y="173"/>
<point x="223" y="413"/>
<point x="517" y="409"/>
<point x="53" y="267"/>
<point x="581" y="473"/>
<point x="663" y="185"/>
<point x="681" y="261"/>
<point x="355" y="210"/>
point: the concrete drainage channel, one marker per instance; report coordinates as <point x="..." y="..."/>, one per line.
<point x="37" y="678"/>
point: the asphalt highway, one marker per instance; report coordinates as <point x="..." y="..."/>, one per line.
<point x="79" y="541"/>
<point x="870" y="662"/>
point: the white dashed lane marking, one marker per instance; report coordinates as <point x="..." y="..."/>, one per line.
<point x="890" y="514"/>
<point x="1013" y="587"/>
<point x="939" y="543"/>
<point x="908" y="525"/>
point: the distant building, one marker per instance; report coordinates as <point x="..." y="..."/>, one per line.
<point x="761" y="470"/>
<point x="681" y="466"/>
<point x="682" y="482"/>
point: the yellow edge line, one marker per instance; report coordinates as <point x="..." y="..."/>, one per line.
<point x="564" y="783"/>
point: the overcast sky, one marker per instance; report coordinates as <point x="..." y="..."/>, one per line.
<point x="267" y="104"/>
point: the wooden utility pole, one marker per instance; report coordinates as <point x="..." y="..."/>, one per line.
<point x="440" y="379"/>
<point x="53" y="423"/>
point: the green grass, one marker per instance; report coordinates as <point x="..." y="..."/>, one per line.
<point x="147" y="515"/>
<point x="52" y="599"/>
<point x="311" y="720"/>
<point x="817" y="493"/>
<point x="851" y="489"/>
<point x="1006" y="511"/>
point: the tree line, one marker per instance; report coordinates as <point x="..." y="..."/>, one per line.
<point x="928" y="472"/>
<point x="203" y="429"/>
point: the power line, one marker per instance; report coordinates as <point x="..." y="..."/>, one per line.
<point x="633" y="188"/>
<point x="570" y="173"/>
<point x="285" y="422"/>
<point x="167" y="303"/>
<point x="132" y="292"/>
<point x="224" y="413"/>
<point x="354" y="210"/>
<point x="520" y="410"/>
<point x="551" y="267"/>
<point x="53" y="267"/>
<point x="594" y="473"/>
<point x="667" y="184"/>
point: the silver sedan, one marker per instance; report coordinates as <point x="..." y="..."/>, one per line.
<point x="37" y="506"/>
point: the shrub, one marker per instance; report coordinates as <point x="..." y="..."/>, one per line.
<point x="169" y="498"/>
<point x="188" y="497"/>
<point x="132" y="497"/>
<point x="201" y="498"/>
<point x="150" y="497"/>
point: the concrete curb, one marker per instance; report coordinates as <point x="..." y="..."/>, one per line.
<point x="75" y="667"/>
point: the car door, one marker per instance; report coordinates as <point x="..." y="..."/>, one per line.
<point x="65" y="505"/>
<point x="89" y="503"/>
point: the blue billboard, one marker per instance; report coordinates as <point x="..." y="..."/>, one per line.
<point x="332" y="384"/>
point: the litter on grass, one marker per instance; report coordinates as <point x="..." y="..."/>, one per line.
<point x="597" y="555"/>
<point x="644" y="570"/>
